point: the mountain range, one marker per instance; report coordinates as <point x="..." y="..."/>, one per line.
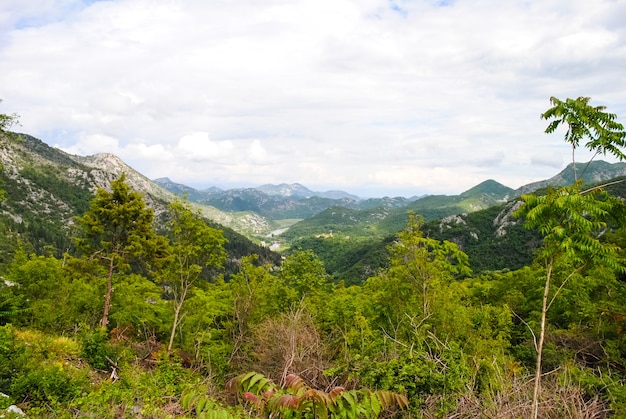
<point x="46" y="188"/>
<point x="351" y="234"/>
<point x="277" y="203"/>
<point x="297" y="201"/>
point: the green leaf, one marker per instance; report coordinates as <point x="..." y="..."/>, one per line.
<point x="201" y="404"/>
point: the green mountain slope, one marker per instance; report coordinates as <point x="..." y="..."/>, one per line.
<point x="278" y="202"/>
<point x="383" y="220"/>
<point x="491" y="237"/>
<point x="339" y="221"/>
<point x="490" y="188"/>
<point x="594" y="172"/>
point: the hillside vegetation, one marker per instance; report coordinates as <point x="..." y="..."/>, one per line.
<point x="135" y="305"/>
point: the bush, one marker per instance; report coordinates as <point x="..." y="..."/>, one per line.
<point x="50" y="385"/>
<point x="38" y="368"/>
<point x="95" y="348"/>
<point x="420" y="375"/>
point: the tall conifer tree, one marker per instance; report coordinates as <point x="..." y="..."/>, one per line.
<point x="117" y="230"/>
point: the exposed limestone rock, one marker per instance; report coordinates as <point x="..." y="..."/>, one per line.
<point x="506" y="219"/>
<point x="451" y="219"/>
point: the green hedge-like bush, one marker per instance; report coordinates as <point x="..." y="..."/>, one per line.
<point x="95" y="348"/>
<point x="49" y="384"/>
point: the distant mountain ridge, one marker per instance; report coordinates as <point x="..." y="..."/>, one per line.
<point x="593" y="172"/>
<point x="285" y="201"/>
<point x="257" y="212"/>
<point x="295" y="190"/>
<point x="299" y="191"/>
<point x="491" y="188"/>
<point x="319" y="210"/>
<point x="275" y="202"/>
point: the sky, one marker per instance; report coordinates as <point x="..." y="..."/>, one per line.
<point x="373" y="97"/>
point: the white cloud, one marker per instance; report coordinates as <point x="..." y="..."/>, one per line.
<point x="140" y="151"/>
<point x="257" y="153"/>
<point x="361" y="94"/>
<point x="197" y="146"/>
<point x="88" y="144"/>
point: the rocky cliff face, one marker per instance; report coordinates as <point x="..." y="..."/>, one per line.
<point x="106" y="167"/>
<point x="49" y="180"/>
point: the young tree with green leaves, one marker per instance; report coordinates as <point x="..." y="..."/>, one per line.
<point x="571" y="222"/>
<point x="424" y="262"/>
<point x="419" y="270"/>
<point x="304" y="272"/>
<point x="570" y="218"/>
<point x="40" y="281"/>
<point x="116" y="231"/>
<point x="412" y="303"/>
<point x="257" y="295"/>
<point x="193" y="246"/>
<point x="583" y="121"/>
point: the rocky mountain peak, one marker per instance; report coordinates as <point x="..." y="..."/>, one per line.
<point x="107" y="167"/>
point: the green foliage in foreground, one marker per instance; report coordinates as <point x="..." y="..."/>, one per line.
<point x="571" y="220"/>
<point x="417" y="329"/>
<point x="296" y="399"/>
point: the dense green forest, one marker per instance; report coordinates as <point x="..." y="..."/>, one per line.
<point x="146" y="315"/>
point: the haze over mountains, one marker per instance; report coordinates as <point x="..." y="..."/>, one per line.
<point x="596" y="171"/>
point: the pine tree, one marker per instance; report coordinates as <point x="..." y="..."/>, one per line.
<point x="116" y="231"/>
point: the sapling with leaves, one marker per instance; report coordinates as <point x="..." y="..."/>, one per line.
<point x="424" y="262"/>
<point x="408" y="292"/>
<point x="304" y="272"/>
<point x="572" y="218"/>
<point x="583" y="121"/>
<point x="193" y="246"/>
<point x="258" y="294"/>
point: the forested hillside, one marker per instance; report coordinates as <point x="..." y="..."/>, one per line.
<point x="134" y="306"/>
<point x="353" y="244"/>
<point x="492" y="238"/>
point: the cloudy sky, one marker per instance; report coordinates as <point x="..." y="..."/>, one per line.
<point x="375" y="97"/>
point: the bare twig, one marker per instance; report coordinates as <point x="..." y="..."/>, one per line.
<point x="528" y="326"/>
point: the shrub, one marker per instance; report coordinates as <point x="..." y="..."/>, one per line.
<point x="50" y="384"/>
<point x="95" y="348"/>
